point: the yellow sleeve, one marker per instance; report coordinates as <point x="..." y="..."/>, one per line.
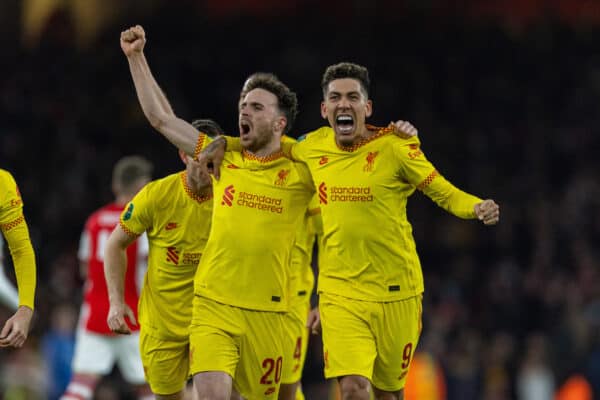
<point x="417" y="170"/>
<point x="136" y="218"/>
<point x="15" y="231"/>
<point x="449" y="197"/>
<point x="233" y="143"/>
<point x="203" y="141"/>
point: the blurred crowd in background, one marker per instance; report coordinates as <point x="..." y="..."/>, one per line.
<point x="507" y="107"/>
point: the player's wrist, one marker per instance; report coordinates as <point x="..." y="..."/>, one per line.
<point x="116" y="300"/>
<point x="135" y="56"/>
<point x="23" y="309"/>
<point x="222" y="141"/>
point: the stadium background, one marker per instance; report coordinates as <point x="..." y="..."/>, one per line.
<point x="505" y="94"/>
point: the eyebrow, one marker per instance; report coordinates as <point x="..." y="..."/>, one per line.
<point x="352" y="92"/>
<point x="252" y="103"/>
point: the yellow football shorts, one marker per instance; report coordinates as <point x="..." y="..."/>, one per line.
<point x="372" y="339"/>
<point x="166" y="363"/>
<point x="245" y="344"/>
<point x="295" y="341"/>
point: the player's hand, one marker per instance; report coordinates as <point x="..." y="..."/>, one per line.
<point x="16" y="329"/>
<point x="116" y="318"/>
<point x="314" y="321"/>
<point x="133" y="40"/>
<point x="211" y="157"/>
<point x="197" y="177"/>
<point x="488" y="212"/>
<point x="403" y="129"/>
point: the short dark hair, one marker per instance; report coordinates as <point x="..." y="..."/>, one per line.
<point x="207" y="126"/>
<point x="287" y="102"/>
<point x="128" y="170"/>
<point x="346" y="70"/>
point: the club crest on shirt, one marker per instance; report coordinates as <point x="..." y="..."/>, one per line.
<point x="282" y="176"/>
<point x="370" y="161"/>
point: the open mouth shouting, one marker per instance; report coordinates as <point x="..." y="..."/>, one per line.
<point x="344" y="124"/>
<point x="245" y="128"/>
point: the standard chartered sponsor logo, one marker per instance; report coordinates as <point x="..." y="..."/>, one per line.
<point x="344" y="193"/>
<point x="260" y="202"/>
<point x="351" y="193"/>
<point x="251" y="200"/>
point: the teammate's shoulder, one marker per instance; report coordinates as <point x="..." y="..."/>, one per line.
<point x="6" y="176"/>
<point x="162" y="192"/>
<point x="317" y="134"/>
<point x="288" y="139"/>
<point x="160" y="183"/>
<point x="402" y="141"/>
<point x="406" y="149"/>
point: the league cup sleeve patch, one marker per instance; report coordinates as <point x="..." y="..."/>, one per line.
<point x="128" y="212"/>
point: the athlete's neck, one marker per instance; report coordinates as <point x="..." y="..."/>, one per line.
<point x="365" y="133"/>
<point x="362" y="134"/>
<point x="205" y="192"/>
<point x="268" y="149"/>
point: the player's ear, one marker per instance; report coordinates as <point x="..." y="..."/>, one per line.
<point x="368" y="108"/>
<point x="323" y="110"/>
<point x="183" y="156"/>
<point x="280" y="124"/>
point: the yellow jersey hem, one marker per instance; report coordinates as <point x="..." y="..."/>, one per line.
<point x="349" y="295"/>
<point x="233" y="303"/>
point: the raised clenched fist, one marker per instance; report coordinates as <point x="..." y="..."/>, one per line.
<point x="133" y="40"/>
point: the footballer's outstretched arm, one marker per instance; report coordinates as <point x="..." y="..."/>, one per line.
<point x="154" y="103"/>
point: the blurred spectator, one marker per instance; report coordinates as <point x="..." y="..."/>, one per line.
<point x="58" y="344"/>
<point x="535" y="380"/>
<point x="23" y="375"/>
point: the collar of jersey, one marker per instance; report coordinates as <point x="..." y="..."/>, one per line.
<point x="252" y="157"/>
<point x="379" y="132"/>
<point x="190" y="193"/>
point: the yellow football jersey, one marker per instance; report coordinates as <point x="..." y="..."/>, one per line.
<point x="15" y="230"/>
<point x="258" y="203"/>
<point x="302" y="277"/>
<point x="368" y="251"/>
<point x="177" y="223"/>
